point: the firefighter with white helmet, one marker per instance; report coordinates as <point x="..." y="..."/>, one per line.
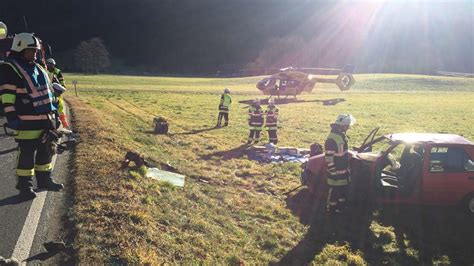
<point x="59" y="103"/>
<point x="255" y="121"/>
<point x="27" y="97"/>
<point x="54" y="73"/>
<point x="337" y="160"/>
<point x="224" y="105"/>
<point x="271" y="121"/>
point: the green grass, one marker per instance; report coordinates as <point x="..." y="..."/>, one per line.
<point x="239" y="214"/>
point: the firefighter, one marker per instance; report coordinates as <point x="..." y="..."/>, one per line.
<point x="59" y="103"/>
<point x="337" y="160"/>
<point x="54" y="73"/>
<point x="271" y="121"/>
<point x="226" y="100"/>
<point x="28" y="104"/>
<point x="255" y="121"/>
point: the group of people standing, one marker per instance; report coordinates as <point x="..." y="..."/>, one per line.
<point x="33" y="105"/>
<point x="336" y="145"/>
<point x="257" y="118"/>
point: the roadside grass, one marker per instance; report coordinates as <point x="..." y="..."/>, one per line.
<point x="233" y="210"/>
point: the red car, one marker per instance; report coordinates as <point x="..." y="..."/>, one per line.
<point x="408" y="168"/>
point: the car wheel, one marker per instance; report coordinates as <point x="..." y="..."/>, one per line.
<point x="469" y="204"/>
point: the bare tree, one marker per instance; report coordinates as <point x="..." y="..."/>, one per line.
<point x="92" y="56"/>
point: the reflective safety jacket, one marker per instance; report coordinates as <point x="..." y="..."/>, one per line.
<point x="255" y="117"/>
<point x="27" y="97"/>
<point x="226" y="100"/>
<point x="337" y="159"/>
<point x="55" y="75"/>
<point x="271" y="118"/>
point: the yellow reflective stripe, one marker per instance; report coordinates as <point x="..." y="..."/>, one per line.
<point x="8" y="98"/>
<point x="28" y="134"/>
<point x="61" y="105"/>
<point x="44" y="167"/>
<point x="25" y="172"/>
<point x="9" y="87"/>
<point x="333" y="182"/>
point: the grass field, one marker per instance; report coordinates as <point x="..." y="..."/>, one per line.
<point x="233" y="210"/>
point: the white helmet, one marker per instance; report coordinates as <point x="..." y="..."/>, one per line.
<point x="25" y="40"/>
<point x="226" y="90"/>
<point x="271" y="101"/>
<point x="345" y="120"/>
<point x="58" y="87"/>
<point x="3" y="30"/>
<point x="51" y="61"/>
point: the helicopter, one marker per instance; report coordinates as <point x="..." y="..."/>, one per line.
<point x="293" y="81"/>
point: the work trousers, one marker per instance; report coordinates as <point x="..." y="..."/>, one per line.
<point x="337" y="198"/>
<point x="272" y="136"/>
<point x="224" y="115"/>
<point x="254" y="135"/>
<point x="34" y="158"/>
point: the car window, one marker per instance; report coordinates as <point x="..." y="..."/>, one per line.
<point x="469" y="165"/>
<point x="452" y="159"/>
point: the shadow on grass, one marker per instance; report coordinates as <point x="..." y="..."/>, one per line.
<point x="237" y="152"/>
<point x="407" y="235"/>
<point x="192" y="132"/>
<point x="352" y="227"/>
<point x="280" y="101"/>
<point x="435" y="232"/>
<point x="196" y="131"/>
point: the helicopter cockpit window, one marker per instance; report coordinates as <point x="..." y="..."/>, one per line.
<point x="292" y="83"/>
<point x="267" y="83"/>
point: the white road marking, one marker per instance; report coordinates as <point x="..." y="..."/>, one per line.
<point x="23" y="245"/>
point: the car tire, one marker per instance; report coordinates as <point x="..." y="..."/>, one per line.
<point x="469" y="204"/>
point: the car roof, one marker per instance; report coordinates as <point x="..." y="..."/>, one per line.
<point x="429" y="138"/>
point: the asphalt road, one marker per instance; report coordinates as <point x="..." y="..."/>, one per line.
<point x="49" y="209"/>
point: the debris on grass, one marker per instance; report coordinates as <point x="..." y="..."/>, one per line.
<point x="273" y="154"/>
<point x="160" y="175"/>
<point x="161" y="125"/>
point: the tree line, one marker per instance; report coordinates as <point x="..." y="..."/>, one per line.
<point x="203" y="37"/>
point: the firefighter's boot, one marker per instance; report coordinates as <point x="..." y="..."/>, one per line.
<point x="24" y="185"/>
<point x="45" y="182"/>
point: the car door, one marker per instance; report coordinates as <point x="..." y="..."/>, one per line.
<point x="448" y="177"/>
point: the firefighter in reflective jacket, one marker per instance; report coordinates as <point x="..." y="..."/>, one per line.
<point x="255" y="121"/>
<point x="28" y="104"/>
<point x="337" y="161"/>
<point x="58" y="102"/>
<point x="54" y="73"/>
<point x="226" y="100"/>
<point x="271" y="121"/>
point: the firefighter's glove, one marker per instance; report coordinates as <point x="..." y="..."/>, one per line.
<point x="220" y="106"/>
<point x="15" y="124"/>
